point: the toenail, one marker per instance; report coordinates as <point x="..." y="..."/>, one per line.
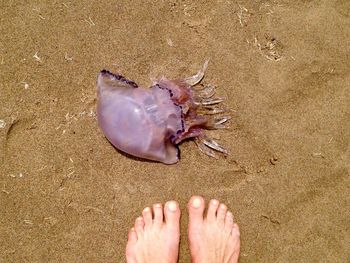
<point x="139" y="219"/>
<point x="172" y="206"/>
<point x="214" y="202"/>
<point x="222" y="206"/>
<point x="132" y="229"/>
<point x="196" y="203"/>
<point x="229" y="214"/>
<point x="147" y="209"/>
<point x="158" y="205"/>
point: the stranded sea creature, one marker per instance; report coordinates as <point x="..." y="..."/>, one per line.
<point x="150" y="123"/>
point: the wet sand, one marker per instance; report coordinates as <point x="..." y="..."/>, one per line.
<point x="283" y="67"/>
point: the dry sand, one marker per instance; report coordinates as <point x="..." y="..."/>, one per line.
<point x="283" y="66"/>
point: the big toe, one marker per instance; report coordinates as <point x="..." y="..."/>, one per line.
<point x="196" y="207"/>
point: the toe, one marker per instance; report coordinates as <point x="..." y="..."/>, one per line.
<point x="158" y="214"/>
<point x="196" y="207"/>
<point x="229" y="221"/>
<point x="221" y="214"/>
<point x="235" y="230"/>
<point x="147" y="217"/>
<point x="236" y="240"/>
<point x="132" y="236"/>
<point x="213" y="207"/>
<point x="139" y="225"/>
<point x="172" y="214"/>
<point x="130" y="246"/>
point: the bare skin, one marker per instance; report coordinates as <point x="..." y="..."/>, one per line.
<point x="156" y="236"/>
<point x="215" y="237"/>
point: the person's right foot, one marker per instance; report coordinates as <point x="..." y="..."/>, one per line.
<point x="215" y="238"/>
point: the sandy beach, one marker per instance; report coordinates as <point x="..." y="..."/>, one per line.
<point x="283" y="68"/>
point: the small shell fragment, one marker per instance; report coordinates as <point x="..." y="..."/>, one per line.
<point x="2" y="124"/>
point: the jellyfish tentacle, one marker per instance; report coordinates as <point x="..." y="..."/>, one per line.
<point x="204" y="93"/>
<point x="195" y="79"/>
<point x="211" y="110"/>
<point x="214" y="145"/>
<point x="209" y="146"/>
<point x="218" y="122"/>
<point x="211" y="101"/>
<point x="204" y="149"/>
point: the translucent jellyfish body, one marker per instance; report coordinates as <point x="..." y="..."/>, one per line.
<point x="150" y="123"/>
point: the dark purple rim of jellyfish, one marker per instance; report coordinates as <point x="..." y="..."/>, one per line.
<point x="119" y="77"/>
<point x="172" y="140"/>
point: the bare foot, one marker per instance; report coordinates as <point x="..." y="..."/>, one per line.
<point x="155" y="238"/>
<point x="215" y="238"/>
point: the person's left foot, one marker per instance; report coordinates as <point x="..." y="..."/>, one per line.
<point x="155" y="236"/>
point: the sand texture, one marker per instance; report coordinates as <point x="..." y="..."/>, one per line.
<point x="283" y="68"/>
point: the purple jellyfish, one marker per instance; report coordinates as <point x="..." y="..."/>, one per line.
<point x="150" y="123"/>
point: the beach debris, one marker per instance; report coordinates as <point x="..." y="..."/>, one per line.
<point x="272" y="220"/>
<point x="4" y="190"/>
<point x="85" y="96"/>
<point x="2" y="124"/>
<point x="271" y="48"/>
<point x="68" y="58"/>
<point x="39" y="13"/>
<point x="36" y="56"/>
<point x="51" y="220"/>
<point x="89" y="208"/>
<point x="20" y="175"/>
<point x="318" y="154"/>
<point x="28" y="222"/>
<point x="90" y="22"/>
<point x="329" y="71"/>
<point x="273" y="160"/>
<point x="187" y="9"/>
<point x="73" y="117"/>
<point x="261" y="169"/>
<point x="243" y="15"/>
<point x="169" y="42"/>
<point x="42" y="168"/>
<point x="70" y="171"/>
<point x="268" y="7"/>
<point x="26" y="85"/>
